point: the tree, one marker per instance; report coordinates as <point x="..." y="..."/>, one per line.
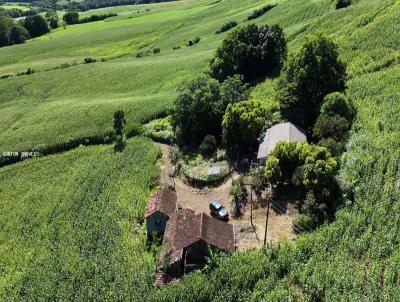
<point x="318" y="167"/>
<point x="200" y="107"/>
<point x="119" y="122"/>
<point x="342" y="3"/>
<point x="232" y="90"/>
<point x="18" y="34"/>
<point x="36" y="25"/>
<point x="196" y="111"/>
<point x="239" y="195"/>
<point x="118" y="125"/>
<point x="258" y="181"/>
<point x="242" y="124"/>
<point x="252" y="51"/>
<point x="52" y="17"/>
<point x="307" y="78"/>
<point x="5" y="28"/>
<point x="174" y="156"/>
<point x="71" y="17"/>
<point x="209" y="146"/>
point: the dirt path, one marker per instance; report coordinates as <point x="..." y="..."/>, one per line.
<point x="279" y="226"/>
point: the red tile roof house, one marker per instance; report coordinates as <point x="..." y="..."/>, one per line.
<point x="161" y="205"/>
<point x="187" y="239"/>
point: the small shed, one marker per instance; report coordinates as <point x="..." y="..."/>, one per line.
<point x="188" y="237"/>
<point x="160" y="207"/>
<point x="284" y="132"/>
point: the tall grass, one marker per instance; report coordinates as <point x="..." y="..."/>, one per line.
<point x="71" y="225"/>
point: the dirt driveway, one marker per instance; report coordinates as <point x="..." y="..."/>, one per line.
<point x="247" y="237"/>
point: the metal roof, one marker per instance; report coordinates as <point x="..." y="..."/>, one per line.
<point x="284" y="132"/>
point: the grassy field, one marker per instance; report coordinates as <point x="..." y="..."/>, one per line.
<point x="57" y="105"/>
<point x="70" y="225"/>
<point x="10" y="5"/>
<point x="68" y="222"/>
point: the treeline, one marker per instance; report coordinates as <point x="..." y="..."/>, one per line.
<point x="90" y="4"/>
<point x="17" y="13"/>
<point x="72" y="17"/>
<point x="12" y="32"/>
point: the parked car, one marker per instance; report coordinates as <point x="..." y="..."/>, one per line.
<point x="218" y="211"/>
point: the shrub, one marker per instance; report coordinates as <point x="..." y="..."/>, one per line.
<point x="89" y="60"/>
<point x="176" y="47"/>
<point x="71" y="17"/>
<point x="143" y="53"/>
<point x="334" y="146"/>
<point x="252" y="51"/>
<point x="338" y="104"/>
<point x="304" y="223"/>
<point x="261" y="11"/>
<point x="227" y="26"/>
<point x="193" y="41"/>
<point x="134" y="129"/>
<point x="209" y="146"/>
<point x="156" y="50"/>
<point x="328" y="126"/>
<point x="160" y="130"/>
<point x="342" y="3"/>
<point x="307" y="78"/>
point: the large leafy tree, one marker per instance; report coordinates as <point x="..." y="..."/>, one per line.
<point x="36" y="26"/>
<point x="200" y="106"/>
<point x="6" y="24"/>
<point x="71" y="17"/>
<point x="242" y="124"/>
<point x="308" y="76"/>
<point x="196" y="110"/>
<point x="252" y="51"/>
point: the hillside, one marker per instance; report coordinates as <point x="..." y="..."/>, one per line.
<point x="71" y="223"/>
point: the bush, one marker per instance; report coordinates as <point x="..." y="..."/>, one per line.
<point x="209" y="146"/>
<point x="143" y="53"/>
<point x="71" y="17"/>
<point x="160" y="130"/>
<point x="134" y="129"/>
<point x="156" y="50"/>
<point x="253" y="52"/>
<point x="304" y="223"/>
<point x="89" y="60"/>
<point x="307" y="78"/>
<point x="338" y="104"/>
<point x="227" y="26"/>
<point x="334" y="146"/>
<point x="176" y="47"/>
<point x="342" y="3"/>
<point x="261" y="11"/>
<point x="328" y="126"/>
<point x="94" y="18"/>
<point x="193" y="41"/>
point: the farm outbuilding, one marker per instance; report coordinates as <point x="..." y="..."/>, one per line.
<point x="284" y="132"/>
<point x="188" y="238"/>
<point x="160" y="207"/>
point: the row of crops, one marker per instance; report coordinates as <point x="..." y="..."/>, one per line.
<point x="71" y="225"/>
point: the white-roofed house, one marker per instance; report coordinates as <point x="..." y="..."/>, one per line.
<point x="284" y="132"/>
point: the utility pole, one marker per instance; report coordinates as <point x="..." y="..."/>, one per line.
<point x="266" y="225"/>
<point x="251" y="207"/>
